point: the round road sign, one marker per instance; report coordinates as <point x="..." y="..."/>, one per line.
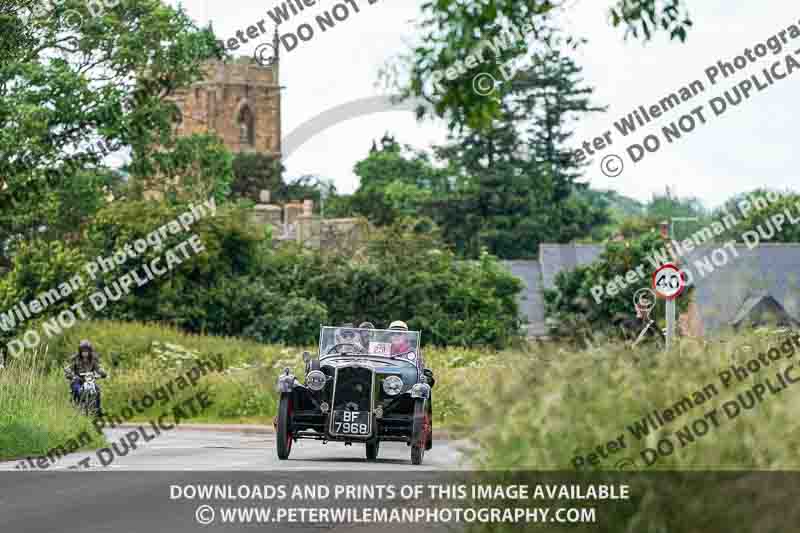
<point x="668" y="281"/>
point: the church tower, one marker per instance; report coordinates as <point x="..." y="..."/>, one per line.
<point x="240" y="101"/>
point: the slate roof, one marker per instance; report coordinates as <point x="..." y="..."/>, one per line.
<point x="554" y="258"/>
<point x="540" y="275"/>
<point x="762" y="302"/>
<point x="531" y="302"/>
<point x="770" y="268"/>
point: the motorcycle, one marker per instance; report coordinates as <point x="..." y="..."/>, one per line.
<point x="88" y="401"/>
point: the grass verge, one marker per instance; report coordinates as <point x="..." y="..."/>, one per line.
<point x="36" y="415"/>
<point x="687" y="409"/>
<point x="141" y="358"/>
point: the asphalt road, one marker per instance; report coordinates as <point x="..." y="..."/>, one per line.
<point x="203" y="450"/>
<point x="133" y="494"/>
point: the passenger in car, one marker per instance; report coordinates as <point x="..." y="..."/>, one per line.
<point x="400" y="344"/>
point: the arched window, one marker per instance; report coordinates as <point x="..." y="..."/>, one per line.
<point x="178" y="119"/>
<point x="246" y="129"/>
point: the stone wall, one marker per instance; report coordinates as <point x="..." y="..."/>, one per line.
<point x="296" y="222"/>
<point x="333" y="233"/>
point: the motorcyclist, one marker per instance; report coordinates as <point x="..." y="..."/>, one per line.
<point x="400" y="344"/>
<point x="86" y="360"/>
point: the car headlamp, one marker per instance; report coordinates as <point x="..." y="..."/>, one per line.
<point x="393" y="385"/>
<point x="315" y="380"/>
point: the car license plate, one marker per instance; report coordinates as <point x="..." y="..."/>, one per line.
<point x="351" y="423"/>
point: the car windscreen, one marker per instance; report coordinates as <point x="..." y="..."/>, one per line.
<point x="373" y="342"/>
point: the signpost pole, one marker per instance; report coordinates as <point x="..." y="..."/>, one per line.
<point x="670" y="309"/>
<point x="670" y="323"/>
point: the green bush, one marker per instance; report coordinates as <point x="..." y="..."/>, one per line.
<point x="403" y="273"/>
<point x="573" y="310"/>
<point x="560" y="403"/>
<point x="141" y="357"/>
<point x="127" y="345"/>
<point x="40" y="266"/>
<point x="241" y="286"/>
<point x="180" y="296"/>
<point x="758" y="215"/>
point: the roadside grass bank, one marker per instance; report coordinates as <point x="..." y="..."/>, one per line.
<point x="36" y="415"/>
<point x="689" y="408"/>
<point x="142" y="358"/>
<point x="738" y="474"/>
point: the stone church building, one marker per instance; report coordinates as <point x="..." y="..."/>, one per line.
<point x="238" y="100"/>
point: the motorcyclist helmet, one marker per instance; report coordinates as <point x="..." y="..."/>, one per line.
<point x="85" y="348"/>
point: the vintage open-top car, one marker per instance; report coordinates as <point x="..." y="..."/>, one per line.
<point x="366" y="386"/>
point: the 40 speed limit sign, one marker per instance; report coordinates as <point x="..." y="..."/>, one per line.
<point x="668" y="281"/>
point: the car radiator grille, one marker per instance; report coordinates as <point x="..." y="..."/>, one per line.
<point x="353" y="389"/>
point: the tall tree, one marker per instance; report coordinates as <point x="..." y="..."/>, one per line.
<point x="396" y="181"/>
<point x="497" y="183"/>
<point x="451" y="29"/>
<point x="65" y="86"/>
<point x="519" y="171"/>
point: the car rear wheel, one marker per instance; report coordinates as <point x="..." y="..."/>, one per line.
<point x="372" y="449"/>
<point x="419" y="431"/>
<point x="283" y="435"/>
<point x="429" y="440"/>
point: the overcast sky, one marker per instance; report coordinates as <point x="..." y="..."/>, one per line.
<point x="750" y="146"/>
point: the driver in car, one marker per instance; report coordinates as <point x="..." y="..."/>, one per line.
<point x="400" y="344"/>
<point x="365" y="335"/>
<point x="346" y="335"/>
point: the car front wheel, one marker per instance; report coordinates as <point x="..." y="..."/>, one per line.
<point x="372" y="449"/>
<point x="283" y="435"/>
<point x="419" y="431"/>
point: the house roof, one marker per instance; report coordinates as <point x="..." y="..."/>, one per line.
<point x="763" y="301"/>
<point x="531" y="302"/>
<point x="555" y="258"/>
<point x="769" y="269"/>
